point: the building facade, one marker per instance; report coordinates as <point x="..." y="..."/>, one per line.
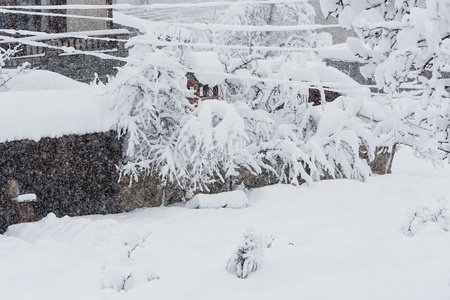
<point x="45" y="20"/>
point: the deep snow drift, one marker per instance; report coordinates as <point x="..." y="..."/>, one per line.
<point x="338" y="239"/>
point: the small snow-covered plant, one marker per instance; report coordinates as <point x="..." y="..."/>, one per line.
<point x="248" y="256"/>
<point x="424" y="215"/>
<point x="5" y="55"/>
<point x="122" y="273"/>
<point x="267" y="241"/>
<point x="130" y="246"/>
<point x="121" y="278"/>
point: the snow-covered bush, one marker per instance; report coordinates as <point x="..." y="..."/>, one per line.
<point x="305" y="142"/>
<point x="301" y="143"/>
<point x="5" y="55"/>
<point x="121" y="273"/>
<point x="405" y="46"/>
<point x="248" y="256"/>
<point x="122" y="278"/>
<point x="423" y="215"/>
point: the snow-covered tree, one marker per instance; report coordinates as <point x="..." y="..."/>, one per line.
<point x="405" y="46"/>
<point x="150" y="97"/>
<point x="275" y="14"/>
<point x="293" y="148"/>
<point x="266" y="122"/>
<point x="304" y="144"/>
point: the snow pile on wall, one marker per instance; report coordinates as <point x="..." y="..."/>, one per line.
<point x="204" y="62"/>
<point x="36" y="80"/>
<point x="43" y="104"/>
<point x="234" y="199"/>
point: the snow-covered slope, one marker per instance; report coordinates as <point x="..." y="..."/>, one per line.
<point x="338" y="239"/>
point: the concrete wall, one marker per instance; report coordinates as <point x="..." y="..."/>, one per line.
<point x="81" y="24"/>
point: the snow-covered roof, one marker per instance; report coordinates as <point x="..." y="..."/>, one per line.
<point x="28" y="112"/>
<point x="204" y="64"/>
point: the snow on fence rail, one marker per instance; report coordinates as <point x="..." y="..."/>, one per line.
<point x="152" y="6"/>
<point x="38" y="39"/>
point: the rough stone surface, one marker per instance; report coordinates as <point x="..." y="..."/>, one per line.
<point x="72" y="175"/>
<point x="148" y="191"/>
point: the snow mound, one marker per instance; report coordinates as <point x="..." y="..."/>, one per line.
<point x="234" y="199"/>
<point x="38" y="80"/>
<point x="91" y="238"/>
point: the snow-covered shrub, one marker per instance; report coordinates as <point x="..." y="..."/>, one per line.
<point x="122" y="278"/>
<point x="302" y="143"/>
<point x="424" y="215"/>
<point x="305" y="142"/>
<point x="248" y="256"/>
<point x="5" y="55"/>
<point x="122" y="273"/>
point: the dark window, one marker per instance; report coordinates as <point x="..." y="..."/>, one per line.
<point x="215" y="91"/>
<point x="57" y="24"/>
<point x="205" y="91"/>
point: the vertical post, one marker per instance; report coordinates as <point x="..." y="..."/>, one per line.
<point x="164" y="193"/>
<point x="25" y="207"/>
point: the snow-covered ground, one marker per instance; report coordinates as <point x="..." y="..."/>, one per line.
<point x="338" y="239"/>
